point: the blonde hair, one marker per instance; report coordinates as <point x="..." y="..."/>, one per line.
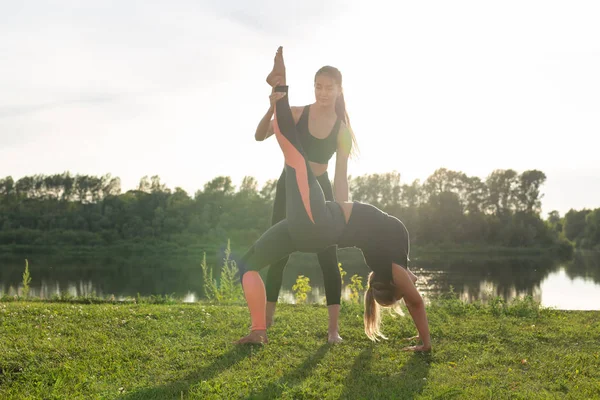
<point x="378" y="295"/>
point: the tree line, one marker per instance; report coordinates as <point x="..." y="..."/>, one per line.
<point x="447" y="208"/>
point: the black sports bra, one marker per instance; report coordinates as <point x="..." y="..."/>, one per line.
<point x="317" y="150"/>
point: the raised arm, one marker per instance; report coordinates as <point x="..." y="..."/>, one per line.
<point x="265" y="126"/>
<point x="340" y="180"/>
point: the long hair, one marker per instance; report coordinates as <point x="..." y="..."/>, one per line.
<point x="378" y="294"/>
<point x="340" y="104"/>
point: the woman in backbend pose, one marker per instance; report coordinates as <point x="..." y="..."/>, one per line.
<point x="323" y="130"/>
<point x="313" y="224"/>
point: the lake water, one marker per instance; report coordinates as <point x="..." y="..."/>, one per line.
<point x="571" y="285"/>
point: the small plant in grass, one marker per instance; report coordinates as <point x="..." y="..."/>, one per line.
<point x="63" y="296"/>
<point x="342" y="272"/>
<point x="26" y="279"/>
<point x="229" y="286"/>
<point x="208" y="283"/>
<point x="355" y="287"/>
<point x="301" y="288"/>
<point x="524" y="307"/>
<point x="497" y="306"/>
<point x="162" y="299"/>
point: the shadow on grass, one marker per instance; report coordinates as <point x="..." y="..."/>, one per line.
<point x="275" y="389"/>
<point x="405" y="383"/>
<point x="173" y="390"/>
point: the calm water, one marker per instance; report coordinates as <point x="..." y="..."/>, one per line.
<point x="572" y="285"/>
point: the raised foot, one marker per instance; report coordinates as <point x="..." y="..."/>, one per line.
<point x="277" y="76"/>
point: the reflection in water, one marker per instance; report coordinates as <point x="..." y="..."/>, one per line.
<point x="571" y="285"/>
<point x="190" y="298"/>
<point x="474" y="279"/>
<point x="179" y="277"/>
<point x="560" y="290"/>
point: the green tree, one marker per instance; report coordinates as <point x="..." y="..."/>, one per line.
<point x="528" y="193"/>
<point x="502" y="186"/>
<point x="574" y="224"/>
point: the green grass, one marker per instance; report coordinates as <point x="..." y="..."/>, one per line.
<point x="104" y="350"/>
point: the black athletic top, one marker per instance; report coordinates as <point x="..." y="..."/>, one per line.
<point x="317" y="150"/>
<point x="382" y="238"/>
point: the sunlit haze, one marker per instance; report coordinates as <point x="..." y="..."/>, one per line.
<point x="177" y="88"/>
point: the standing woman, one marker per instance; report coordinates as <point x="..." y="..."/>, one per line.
<point x="324" y="130"/>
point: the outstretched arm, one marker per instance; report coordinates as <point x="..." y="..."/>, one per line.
<point x="340" y="180"/>
<point x="415" y="304"/>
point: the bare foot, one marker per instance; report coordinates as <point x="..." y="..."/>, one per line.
<point x="420" y="347"/>
<point x="334" y="338"/>
<point x="412" y="338"/>
<point x="333" y="329"/>
<point x="259" y="337"/>
<point x="277" y="76"/>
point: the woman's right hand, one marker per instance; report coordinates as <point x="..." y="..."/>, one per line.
<point x="274" y="97"/>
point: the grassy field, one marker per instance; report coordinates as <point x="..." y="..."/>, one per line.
<point x="69" y="350"/>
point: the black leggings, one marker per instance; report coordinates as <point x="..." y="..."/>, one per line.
<point x="327" y="258"/>
<point x="312" y="224"/>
